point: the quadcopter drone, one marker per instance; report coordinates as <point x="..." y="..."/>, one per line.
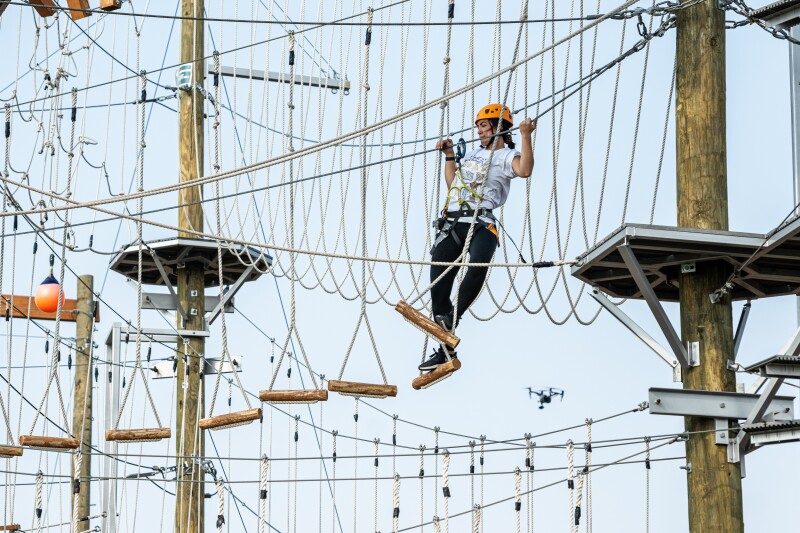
<point x="545" y="395"/>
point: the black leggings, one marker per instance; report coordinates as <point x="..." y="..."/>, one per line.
<point x="481" y="250"/>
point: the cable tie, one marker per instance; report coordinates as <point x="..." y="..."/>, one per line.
<point x="368" y="38"/>
<point x="451" y="10"/>
<point x="291" y="57"/>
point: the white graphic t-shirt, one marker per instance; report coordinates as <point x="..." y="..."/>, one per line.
<point x="467" y="185"/>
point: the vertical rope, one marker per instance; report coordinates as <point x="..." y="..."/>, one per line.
<point x="472" y="472"/>
<point x="481" y="460"/>
<point x="396" y="503"/>
<point x="570" y="479"/>
<point x="421" y="483"/>
<point x="220" y="505"/>
<point x="476" y="519"/>
<point x="587" y="475"/>
<point x="77" y="459"/>
<point x="262" y="493"/>
<point x="576" y="524"/>
<point x="518" y="499"/>
<point x="530" y="463"/>
<point x="376" y="442"/>
<point x="334" y="433"/>
<point x="647" y="485"/>
<point x="446" y="489"/>
<point x="38" y="501"/>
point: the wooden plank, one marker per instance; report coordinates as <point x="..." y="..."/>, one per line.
<point x="79" y="4"/>
<point x="11" y="527"/>
<point x="362" y="389"/>
<point x="10" y="451"/>
<point x="110" y="5"/>
<point x="42" y="441"/>
<point x="19" y="308"/>
<point x="44" y="7"/>
<point x="437" y="373"/>
<point x="138" y="435"/>
<point x="293" y="396"/>
<point x="426" y="324"/>
<point x="230" y="419"/>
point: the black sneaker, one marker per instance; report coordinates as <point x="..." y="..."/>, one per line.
<point x="445" y="321"/>
<point x="438" y="358"/>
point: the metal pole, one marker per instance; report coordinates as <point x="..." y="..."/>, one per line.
<point x="108" y="483"/>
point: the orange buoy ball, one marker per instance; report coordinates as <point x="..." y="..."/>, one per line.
<point x="46" y="297"/>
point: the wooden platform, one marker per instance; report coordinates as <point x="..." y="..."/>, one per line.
<point x="230" y="420"/>
<point x="110" y="5"/>
<point x="79" y="4"/>
<point x="774" y="269"/>
<point x="44" y="7"/>
<point x="138" y="435"/>
<point x="293" y="396"/>
<point x="367" y="390"/>
<point x="49" y="443"/>
<point x="6" y="452"/>
<point x="436" y="375"/>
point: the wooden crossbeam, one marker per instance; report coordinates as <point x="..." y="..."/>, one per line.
<point x="79" y="4"/>
<point x="230" y="420"/>
<point x="138" y="435"/>
<point x="19" y="307"/>
<point x="44" y="7"/>
<point x="352" y="388"/>
<point x="293" y="396"/>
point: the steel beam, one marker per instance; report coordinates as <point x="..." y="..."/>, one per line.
<point x="227" y="295"/>
<point x="737" y="340"/>
<point x="634" y="328"/>
<point x="165" y="277"/>
<point x="308" y="81"/>
<point x="108" y="480"/>
<point x="715" y="404"/>
<point x="167" y="369"/>
<point x="650" y="297"/>
<point x="167" y="302"/>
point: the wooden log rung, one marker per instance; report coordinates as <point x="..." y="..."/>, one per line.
<point x="43" y="442"/>
<point x="362" y="390"/>
<point x="436" y="375"/>
<point x="293" y="396"/>
<point x="7" y="452"/>
<point x="138" y="435"/>
<point x="10" y="527"/>
<point x="426" y="325"/>
<point x="229" y="420"/>
<point x="79" y="4"/>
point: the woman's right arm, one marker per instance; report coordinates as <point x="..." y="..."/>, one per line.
<point x="446" y="147"/>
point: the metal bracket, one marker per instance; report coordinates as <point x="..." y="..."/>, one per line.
<point x="737" y="340"/>
<point x="716" y="404"/>
<point x="166" y="369"/>
<point x="167" y="302"/>
<point x="650" y="297"/>
<point x="165" y="277"/>
<point x="226" y="296"/>
<point x="634" y="328"/>
<point x="688" y="268"/>
<point x="693" y="352"/>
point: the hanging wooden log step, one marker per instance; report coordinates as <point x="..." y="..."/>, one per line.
<point x="79" y="4"/>
<point x="230" y="420"/>
<point x="436" y="375"/>
<point x="7" y="452"/>
<point x="10" y="527"/>
<point x="43" y="442"/>
<point x="293" y="396"/>
<point x="110" y="5"/>
<point x="428" y="326"/>
<point x="44" y="7"/>
<point x="362" y="390"/>
<point x="138" y="435"/>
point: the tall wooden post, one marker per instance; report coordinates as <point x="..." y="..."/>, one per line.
<point x="714" y="485"/>
<point x="82" y="394"/>
<point x="190" y="402"/>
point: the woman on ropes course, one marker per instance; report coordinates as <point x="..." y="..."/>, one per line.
<point x="474" y="184"/>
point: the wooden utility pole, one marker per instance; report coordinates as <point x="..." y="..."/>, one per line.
<point x="714" y="484"/>
<point x="82" y="395"/>
<point x="191" y="294"/>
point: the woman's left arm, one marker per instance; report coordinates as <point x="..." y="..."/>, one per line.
<point x="523" y="163"/>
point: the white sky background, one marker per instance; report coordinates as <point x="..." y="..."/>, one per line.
<point x="603" y="369"/>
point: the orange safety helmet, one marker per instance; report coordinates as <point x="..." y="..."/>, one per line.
<point x="493" y="111"/>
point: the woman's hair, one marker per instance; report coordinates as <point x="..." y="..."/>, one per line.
<point x="507" y="139"/>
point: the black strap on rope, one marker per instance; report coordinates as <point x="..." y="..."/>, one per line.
<point x="263" y="494"/>
<point x="8" y="128"/>
<point x="396" y="512"/>
<point x="446" y="492"/>
<point x="220" y="520"/>
<point x="577" y="516"/>
<point x="518" y="506"/>
<point x="570" y="484"/>
<point x="76" y="486"/>
<point x="451" y="10"/>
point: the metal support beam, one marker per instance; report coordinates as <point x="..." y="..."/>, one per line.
<point x="168" y="369"/>
<point x="227" y="295"/>
<point x="167" y="302"/>
<point x="634" y="328"/>
<point x="308" y="81"/>
<point x="737" y="340"/>
<point x="655" y="306"/>
<point x="165" y="277"/>
<point x="716" y="404"/>
<point x="108" y="480"/>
